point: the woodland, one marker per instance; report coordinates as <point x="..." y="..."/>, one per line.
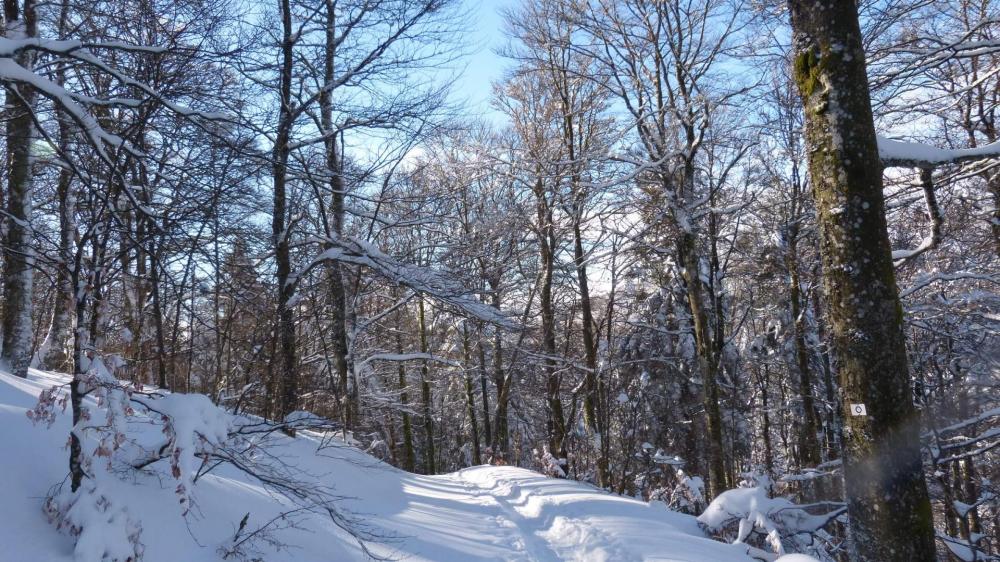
<point x="693" y="246"/>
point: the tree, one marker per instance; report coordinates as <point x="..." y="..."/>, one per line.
<point x="545" y="53"/>
<point x="663" y="64"/>
<point x="887" y="497"/>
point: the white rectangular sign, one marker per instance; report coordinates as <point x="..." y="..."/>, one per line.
<point x="858" y="410"/>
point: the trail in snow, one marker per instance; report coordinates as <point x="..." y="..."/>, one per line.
<point x="482" y="513"/>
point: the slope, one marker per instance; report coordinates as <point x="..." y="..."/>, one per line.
<point x="480" y="513"/>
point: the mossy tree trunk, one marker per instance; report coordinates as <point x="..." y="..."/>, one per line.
<point x="887" y="497"/>
<point x="708" y="338"/>
<point x="708" y="363"/>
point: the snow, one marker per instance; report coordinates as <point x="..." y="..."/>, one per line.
<point x="195" y="423"/>
<point x="479" y="513"/>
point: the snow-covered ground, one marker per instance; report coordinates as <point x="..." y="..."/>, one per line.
<point x="480" y="513"/>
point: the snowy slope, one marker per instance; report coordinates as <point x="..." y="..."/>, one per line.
<point x="481" y="513"/>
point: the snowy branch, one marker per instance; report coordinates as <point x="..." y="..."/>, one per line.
<point x="433" y="283"/>
<point x="904" y="154"/>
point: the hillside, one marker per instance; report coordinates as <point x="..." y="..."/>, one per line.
<point x="480" y="513"/>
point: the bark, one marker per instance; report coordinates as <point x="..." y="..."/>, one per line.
<point x="501" y="439"/>
<point x="85" y="342"/>
<point x="887" y="497"/>
<point x="708" y="363"/>
<point x="18" y="250"/>
<point x="562" y="79"/>
<point x="76" y="395"/>
<point x="766" y="424"/>
<point x="56" y="356"/>
<point x="161" y="360"/>
<point x="590" y="401"/>
<point x="484" y="391"/>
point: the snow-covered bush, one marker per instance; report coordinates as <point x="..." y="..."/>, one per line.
<point x="685" y="495"/>
<point x="750" y="516"/>
<point x="549" y="464"/>
<point x="124" y="430"/>
<point x="688" y="496"/>
<point x="102" y="527"/>
<point x="192" y="426"/>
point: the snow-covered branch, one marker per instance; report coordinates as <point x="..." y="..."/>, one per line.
<point x="905" y="154"/>
<point x="433" y="283"/>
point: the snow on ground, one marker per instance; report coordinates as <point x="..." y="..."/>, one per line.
<point x="479" y="513"/>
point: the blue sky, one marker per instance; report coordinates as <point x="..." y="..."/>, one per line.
<point x="483" y="66"/>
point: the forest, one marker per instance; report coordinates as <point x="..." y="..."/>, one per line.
<point x="738" y="257"/>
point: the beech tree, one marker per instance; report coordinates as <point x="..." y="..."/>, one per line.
<point x="887" y="497"/>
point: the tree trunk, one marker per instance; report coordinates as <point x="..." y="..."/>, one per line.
<point x="335" y="226"/>
<point x="809" y="452"/>
<point x="470" y="398"/>
<point x="501" y="439"/>
<point x="80" y="341"/>
<point x="55" y="356"/>
<point x="484" y="391"/>
<point x="19" y="253"/>
<point x="591" y="401"/>
<point x="425" y="394"/>
<point x="158" y="309"/>
<point x="408" y="461"/>
<point x="546" y="247"/>
<point x="766" y="423"/>
<point x="707" y="364"/>
<point x="887" y="497"/>
<point x="287" y="368"/>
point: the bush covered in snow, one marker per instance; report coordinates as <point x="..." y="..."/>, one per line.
<point x="123" y="429"/>
<point x="749" y="515"/>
